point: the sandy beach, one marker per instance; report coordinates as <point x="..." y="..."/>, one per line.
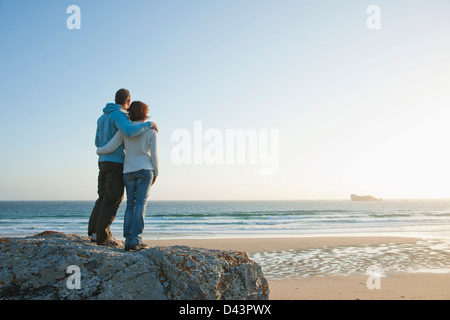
<point x="291" y="279"/>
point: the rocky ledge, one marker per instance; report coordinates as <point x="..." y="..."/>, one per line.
<point x="52" y="266"/>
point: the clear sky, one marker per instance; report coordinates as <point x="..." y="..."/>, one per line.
<point x="357" y="110"/>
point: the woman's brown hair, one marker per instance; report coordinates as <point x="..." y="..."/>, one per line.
<point x="138" y="111"/>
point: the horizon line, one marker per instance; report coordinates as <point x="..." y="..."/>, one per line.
<point x="324" y="199"/>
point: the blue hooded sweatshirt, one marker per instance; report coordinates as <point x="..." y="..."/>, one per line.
<point x="115" y="118"/>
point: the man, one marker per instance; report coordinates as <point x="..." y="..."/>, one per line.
<point x="110" y="177"/>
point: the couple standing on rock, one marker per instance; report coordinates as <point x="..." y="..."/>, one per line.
<point x="124" y="127"/>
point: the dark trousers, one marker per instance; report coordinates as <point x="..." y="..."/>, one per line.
<point x="110" y="194"/>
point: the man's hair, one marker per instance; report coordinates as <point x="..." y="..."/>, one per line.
<point x="138" y="111"/>
<point x="122" y="96"/>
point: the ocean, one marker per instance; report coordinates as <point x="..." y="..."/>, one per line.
<point x="216" y="219"/>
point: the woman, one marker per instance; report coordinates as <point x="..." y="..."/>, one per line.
<point x="140" y="170"/>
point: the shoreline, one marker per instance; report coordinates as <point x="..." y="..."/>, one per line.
<point x="421" y="233"/>
<point x="262" y="244"/>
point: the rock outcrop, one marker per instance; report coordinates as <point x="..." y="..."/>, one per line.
<point x="52" y="266"/>
<point x="355" y="197"/>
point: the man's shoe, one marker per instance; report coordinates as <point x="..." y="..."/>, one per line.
<point x="94" y="237"/>
<point x="137" y="247"/>
<point x="110" y="242"/>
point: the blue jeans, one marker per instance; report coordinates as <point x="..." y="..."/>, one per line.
<point x="137" y="184"/>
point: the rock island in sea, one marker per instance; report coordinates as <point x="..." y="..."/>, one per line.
<point x="355" y="197"/>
